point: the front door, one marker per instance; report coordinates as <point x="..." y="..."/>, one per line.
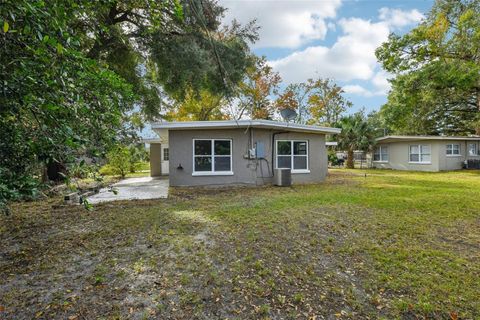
<point x="165" y="158"/>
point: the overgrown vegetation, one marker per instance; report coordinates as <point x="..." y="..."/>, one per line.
<point x="386" y="245"/>
<point x="122" y="160"/>
<point x="72" y="72"/>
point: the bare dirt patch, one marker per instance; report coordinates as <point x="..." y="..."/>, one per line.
<point x="351" y="248"/>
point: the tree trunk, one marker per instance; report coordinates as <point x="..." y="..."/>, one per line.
<point x="350" y="162"/>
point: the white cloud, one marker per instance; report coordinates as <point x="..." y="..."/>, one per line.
<point x="380" y="81"/>
<point x="284" y="24"/>
<point x="397" y="18"/>
<point x="357" y="89"/>
<point x="351" y="57"/>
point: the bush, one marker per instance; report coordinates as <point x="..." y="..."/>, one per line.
<point x="139" y="166"/>
<point x="82" y="170"/>
<point x="120" y="160"/>
<point x="16" y="187"/>
<point x="332" y="158"/>
<point x="107" y="170"/>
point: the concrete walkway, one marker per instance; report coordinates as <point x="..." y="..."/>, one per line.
<point x="133" y="188"/>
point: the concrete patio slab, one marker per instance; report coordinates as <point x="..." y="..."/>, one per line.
<point x="133" y="188"/>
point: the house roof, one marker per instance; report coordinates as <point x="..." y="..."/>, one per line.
<point x="232" y="124"/>
<point x="387" y="139"/>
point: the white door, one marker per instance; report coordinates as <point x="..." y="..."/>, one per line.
<point x="165" y="158"/>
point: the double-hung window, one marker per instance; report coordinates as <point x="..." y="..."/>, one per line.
<point x="381" y="154"/>
<point x="453" y="149"/>
<point x="420" y="153"/>
<point x="212" y="157"/>
<point x="292" y="154"/>
<point x="473" y="149"/>
<point x="166" y="154"/>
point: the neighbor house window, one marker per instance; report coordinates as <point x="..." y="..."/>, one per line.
<point x="212" y="156"/>
<point x="453" y="149"/>
<point x="380" y="154"/>
<point x="166" y="154"/>
<point x="292" y="154"/>
<point x="473" y="149"/>
<point x="420" y="154"/>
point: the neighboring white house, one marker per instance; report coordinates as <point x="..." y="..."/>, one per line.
<point x="426" y="153"/>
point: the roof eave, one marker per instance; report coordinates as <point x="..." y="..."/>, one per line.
<point x="424" y="138"/>
<point x="243" y="124"/>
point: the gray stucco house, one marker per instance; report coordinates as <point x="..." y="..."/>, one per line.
<point x="426" y="153"/>
<point x="239" y="152"/>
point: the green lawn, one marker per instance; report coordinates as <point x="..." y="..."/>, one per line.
<point x="382" y="245"/>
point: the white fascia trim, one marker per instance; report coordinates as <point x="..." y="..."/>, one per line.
<point x="243" y="123"/>
<point x="390" y="139"/>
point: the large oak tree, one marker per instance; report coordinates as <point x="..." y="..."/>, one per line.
<point x="436" y="89"/>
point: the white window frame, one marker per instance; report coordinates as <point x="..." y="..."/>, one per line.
<point x="420" y="154"/>
<point x="307" y="170"/>
<point x="380" y="149"/>
<point x="475" y="149"/>
<point x="459" y="154"/>
<point x="212" y="156"/>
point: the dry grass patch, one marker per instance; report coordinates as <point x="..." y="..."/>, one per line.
<point x="388" y="244"/>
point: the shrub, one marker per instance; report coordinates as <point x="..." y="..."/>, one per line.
<point x="107" y="170"/>
<point x="120" y="160"/>
<point x="15" y="187"/>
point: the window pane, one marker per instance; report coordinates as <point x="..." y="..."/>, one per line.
<point x="414" y="153"/>
<point x="425" y="149"/>
<point x="165" y="154"/>
<point x="472" y="149"/>
<point x="456" y="149"/>
<point x="449" y="147"/>
<point x="203" y="164"/>
<point x="222" y="147"/>
<point x="203" y="147"/>
<point x="284" y="162"/>
<point x="299" y="162"/>
<point x="222" y="164"/>
<point x="376" y="157"/>
<point x="299" y="147"/>
<point x="426" y="158"/>
<point x="384" y="153"/>
<point x="414" y="157"/>
<point x="283" y="147"/>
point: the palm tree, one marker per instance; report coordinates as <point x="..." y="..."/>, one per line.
<point x="357" y="134"/>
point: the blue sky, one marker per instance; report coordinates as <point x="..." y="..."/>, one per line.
<point x="330" y="38"/>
